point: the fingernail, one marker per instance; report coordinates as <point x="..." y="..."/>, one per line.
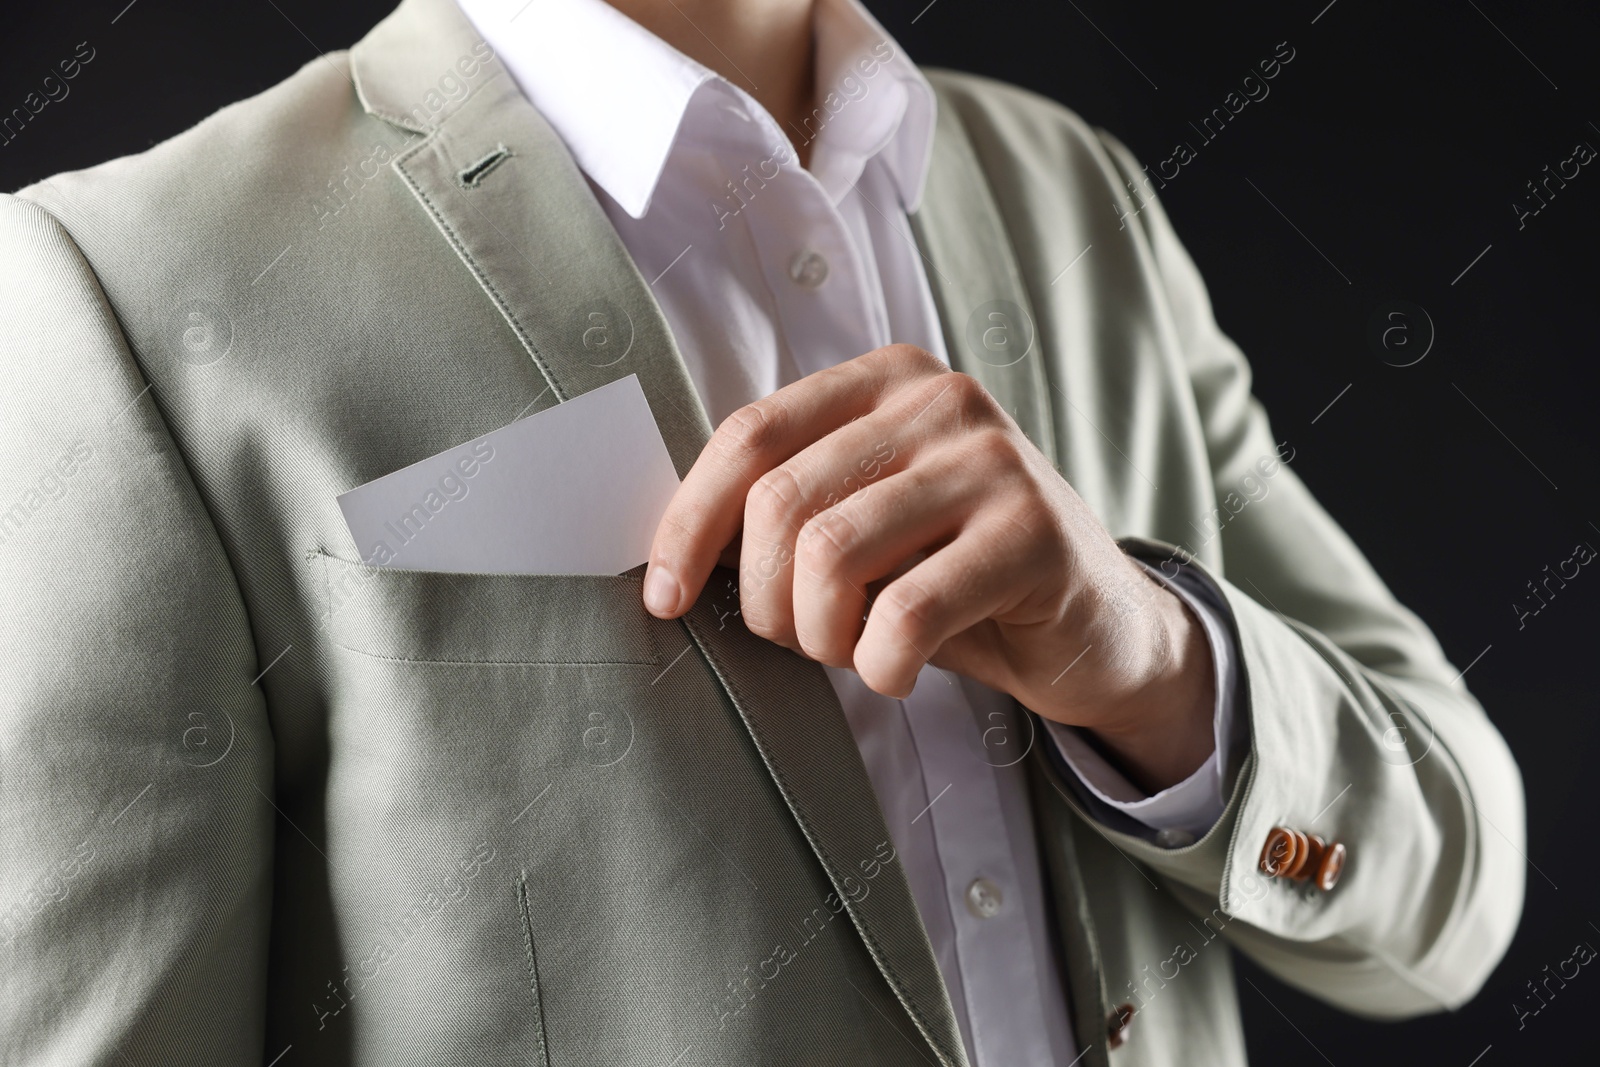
<point x="661" y="591"/>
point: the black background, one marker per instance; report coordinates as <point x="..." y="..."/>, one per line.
<point x="1386" y="158"/>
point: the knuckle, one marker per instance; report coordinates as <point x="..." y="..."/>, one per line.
<point x="762" y="624"/>
<point x="812" y="650"/>
<point x="827" y="542"/>
<point x="760" y="614"/>
<point x="773" y="498"/>
<point x="971" y="396"/>
<point x="957" y="393"/>
<point x="751" y="431"/>
<point x="933" y="392"/>
<point x="995" y="449"/>
<point x="911" y="357"/>
<point x="909" y="610"/>
<point x="674" y="533"/>
<point x="892" y="674"/>
<point x="823" y="646"/>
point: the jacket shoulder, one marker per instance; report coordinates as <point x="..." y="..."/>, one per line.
<point x="226" y="167"/>
<point x="202" y="217"/>
<point x="1047" y="167"/>
<point x="1022" y="125"/>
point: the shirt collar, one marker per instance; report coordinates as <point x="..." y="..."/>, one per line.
<point x="871" y="102"/>
<point x="617" y="94"/>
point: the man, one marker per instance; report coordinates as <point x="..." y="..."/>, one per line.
<point x="776" y="798"/>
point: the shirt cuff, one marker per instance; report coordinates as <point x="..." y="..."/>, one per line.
<point x="1183" y="812"/>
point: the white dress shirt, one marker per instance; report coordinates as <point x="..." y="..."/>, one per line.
<point x="767" y="272"/>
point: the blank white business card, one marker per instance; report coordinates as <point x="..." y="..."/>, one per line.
<point x="575" y="489"/>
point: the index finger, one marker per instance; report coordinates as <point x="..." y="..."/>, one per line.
<point x="707" y="511"/>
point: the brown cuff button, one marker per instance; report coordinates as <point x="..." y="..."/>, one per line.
<point x="1297" y="856"/>
<point x="1117" y="1025"/>
<point x="1331" y="867"/>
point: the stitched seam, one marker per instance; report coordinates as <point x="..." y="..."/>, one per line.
<point x="543" y="1054"/>
<point x="328" y="557"/>
<point x="828" y="863"/>
<point x="405" y="122"/>
<point x="327" y="589"/>
<point x="501" y="662"/>
<point x="322" y="559"/>
<point x="477" y="272"/>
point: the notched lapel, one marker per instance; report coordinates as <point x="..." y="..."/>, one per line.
<point x="507" y="196"/>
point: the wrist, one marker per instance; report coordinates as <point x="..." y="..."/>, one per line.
<point x="1163" y="730"/>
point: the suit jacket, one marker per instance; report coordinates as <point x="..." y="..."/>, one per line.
<point x="255" y="794"/>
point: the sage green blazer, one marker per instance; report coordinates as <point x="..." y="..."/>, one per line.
<point x="260" y="800"/>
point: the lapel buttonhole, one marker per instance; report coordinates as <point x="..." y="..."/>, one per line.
<point x="472" y="176"/>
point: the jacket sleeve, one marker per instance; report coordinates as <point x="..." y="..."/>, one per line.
<point x="1359" y="729"/>
<point x="135" y="759"/>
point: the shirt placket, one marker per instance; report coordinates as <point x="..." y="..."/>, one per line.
<point x="826" y="311"/>
<point x="983" y="886"/>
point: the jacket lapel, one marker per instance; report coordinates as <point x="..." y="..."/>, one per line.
<point x="510" y="201"/>
<point x="793" y="715"/>
<point x="989" y="326"/>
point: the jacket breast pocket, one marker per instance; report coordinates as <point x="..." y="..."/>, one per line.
<point x="487" y="619"/>
<point x="434" y="675"/>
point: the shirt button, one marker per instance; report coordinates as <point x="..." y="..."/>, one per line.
<point x="808" y="268"/>
<point x="1174" y="838"/>
<point x="984" y="899"/>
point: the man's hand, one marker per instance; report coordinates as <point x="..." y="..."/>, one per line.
<point x="894" y="515"/>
